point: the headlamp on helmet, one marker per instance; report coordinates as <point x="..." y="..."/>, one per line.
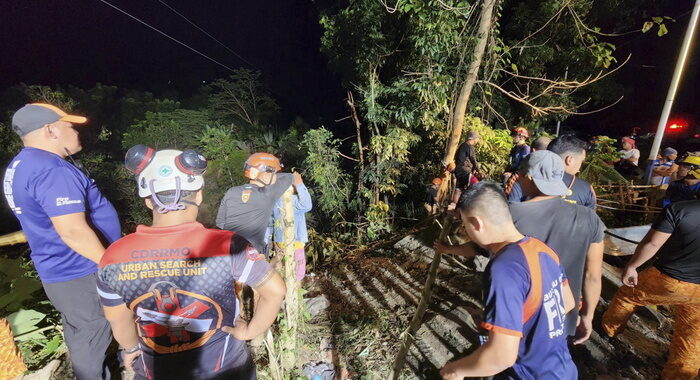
<point x="165" y="170"/>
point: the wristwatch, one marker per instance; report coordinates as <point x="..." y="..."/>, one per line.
<point x="132" y="350"/>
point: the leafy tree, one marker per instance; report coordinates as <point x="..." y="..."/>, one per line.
<point x="243" y="100"/>
<point x="177" y="129"/>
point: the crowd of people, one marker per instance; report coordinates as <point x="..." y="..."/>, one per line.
<point x="545" y="247"/>
<point x="168" y="293"/>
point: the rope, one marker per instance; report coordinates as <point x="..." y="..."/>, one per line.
<point x="626" y="210"/>
<point x="167" y="35"/>
<point x="620" y="237"/>
<point x="206" y="33"/>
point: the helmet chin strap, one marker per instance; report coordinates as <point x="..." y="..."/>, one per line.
<point x="163" y="208"/>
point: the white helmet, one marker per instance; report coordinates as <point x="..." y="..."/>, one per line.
<point x="165" y="170"/>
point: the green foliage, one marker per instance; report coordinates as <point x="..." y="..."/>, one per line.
<point x="598" y="169"/>
<point x="18" y="283"/>
<point x="242" y="100"/>
<point x="225" y="168"/>
<point x="176" y="129"/>
<point x="331" y="186"/>
<point x="377" y="218"/>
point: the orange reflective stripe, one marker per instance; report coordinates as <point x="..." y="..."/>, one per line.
<point x="501" y="330"/>
<point x="534" y="299"/>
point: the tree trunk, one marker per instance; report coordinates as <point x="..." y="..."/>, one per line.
<point x="407" y="336"/>
<point x="485" y="25"/>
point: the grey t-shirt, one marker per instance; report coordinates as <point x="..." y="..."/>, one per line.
<point x="247" y="209"/>
<point x="569" y="230"/>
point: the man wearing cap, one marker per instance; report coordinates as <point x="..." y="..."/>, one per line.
<point x="68" y="223"/>
<point x="661" y="169"/>
<point x="467" y="166"/>
<point x="687" y="187"/>
<point x="168" y="289"/>
<point x="573" y="151"/>
<point x="573" y="231"/>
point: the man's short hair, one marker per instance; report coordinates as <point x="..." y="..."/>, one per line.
<point x="487" y="200"/>
<point x="169" y="196"/>
<point x="541" y="143"/>
<point x="567" y="145"/>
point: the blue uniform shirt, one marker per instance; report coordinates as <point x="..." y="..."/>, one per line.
<point x="524" y="285"/>
<point x="40" y="185"/>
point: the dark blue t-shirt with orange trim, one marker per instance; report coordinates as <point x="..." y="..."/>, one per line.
<point x="523" y="298"/>
<point x="179" y="282"/>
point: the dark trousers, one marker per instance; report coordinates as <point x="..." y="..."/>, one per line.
<point x="85" y="329"/>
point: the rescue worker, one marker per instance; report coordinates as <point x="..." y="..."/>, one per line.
<point x="573" y="231"/>
<point x="573" y="151"/>
<point x="247" y="209"/>
<point x="431" y="196"/>
<point x="663" y="167"/>
<point x="674" y="279"/>
<point x="168" y="289"/>
<point x="68" y="223"/>
<point x="302" y="205"/>
<point x="467" y="166"/>
<point x="540" y="143"/>
<point x="526" y="295"/>
<point x="688" y="186"/>
<point x="519" y="151"/>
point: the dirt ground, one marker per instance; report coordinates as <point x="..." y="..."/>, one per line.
<point x="373" y="297"/>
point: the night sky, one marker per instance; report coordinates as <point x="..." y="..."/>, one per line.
<point x="82" y="42"/>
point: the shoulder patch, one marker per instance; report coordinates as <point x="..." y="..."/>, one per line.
<point x="245" y="195"/>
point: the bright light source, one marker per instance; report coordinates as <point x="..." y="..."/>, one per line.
<point x="676" y="126"/>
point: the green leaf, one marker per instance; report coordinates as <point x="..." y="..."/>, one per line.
<point x="52" y="346"/>
<point x="24" y="321"/>
<point x="662" y="30"/>
<point x="647" y="25"/>
<point x="22" y="290"/>
<point x="658" y="20"/>
<point x="514" y="67"/>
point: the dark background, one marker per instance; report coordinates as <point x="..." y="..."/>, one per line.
<point x="82" y="42"/>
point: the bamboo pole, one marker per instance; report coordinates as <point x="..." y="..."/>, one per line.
<point x="407" y="337"/>
<point x="289" y="333"/>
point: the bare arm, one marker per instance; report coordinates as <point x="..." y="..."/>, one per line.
<point x="466" y="250"/>
<point x="272" y="294"/>
<point x="646" y="249"/>
<point x="78" y="235"/>
<point x="123" y="326"/>
<point x="121" y="318"/>
<point x="496" y="355"/>
<point x="592" y="285"/>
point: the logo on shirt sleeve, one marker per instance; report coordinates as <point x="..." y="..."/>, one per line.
<point x="62" y="201"/>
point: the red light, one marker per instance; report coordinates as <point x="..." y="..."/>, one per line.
<point x="696" y="136"/>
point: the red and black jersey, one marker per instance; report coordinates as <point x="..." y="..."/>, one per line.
<point x="179" y="282"/>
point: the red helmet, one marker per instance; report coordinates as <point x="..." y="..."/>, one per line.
<point x="261" y="162"/>
<point x="520" y="131"/>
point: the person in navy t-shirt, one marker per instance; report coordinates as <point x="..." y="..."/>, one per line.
<point x="526" y="297"/>
<point x="68" y="223"/>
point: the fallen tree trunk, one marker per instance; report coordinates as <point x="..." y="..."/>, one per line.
<point x="407" y="336"/>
